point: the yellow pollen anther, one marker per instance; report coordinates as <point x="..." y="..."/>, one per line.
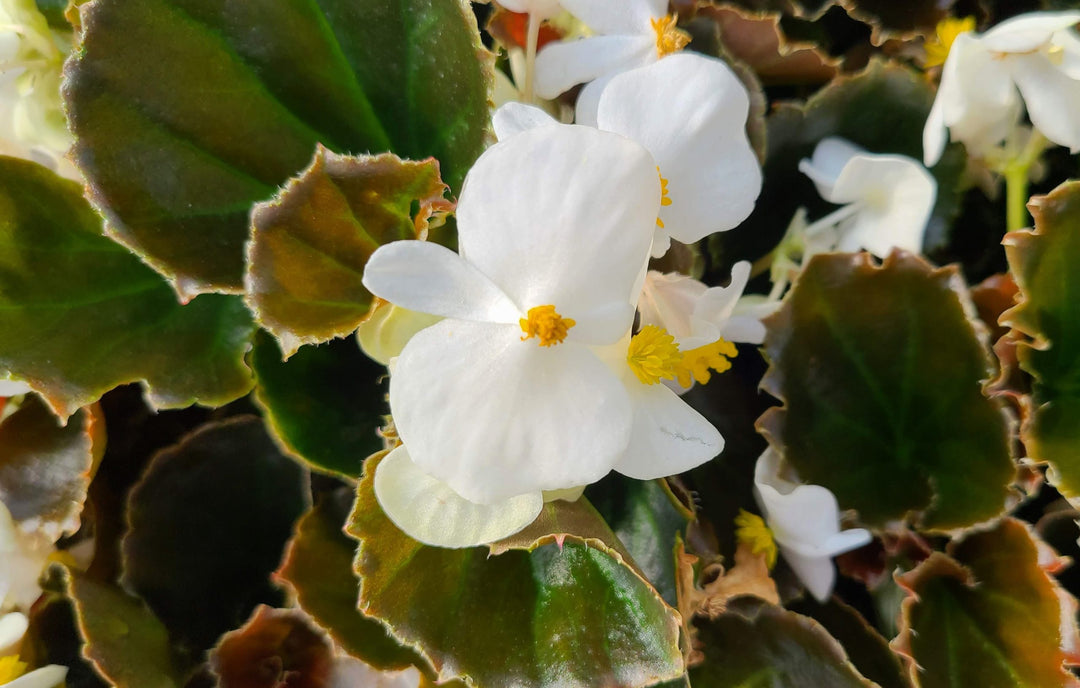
<point x="750" y="529"/>
<point x="669" y="38"/>
<point x="938" y="47"/>
<point x="665" y="200"/>
<point x="545" y="323"/>
<point x="653" y="355"/>
<point x="11" y="668"/>
<point x="698" y="364"/>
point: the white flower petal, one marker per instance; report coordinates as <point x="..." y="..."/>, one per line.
<point x="429" y="511"/>
<point x="543" y="9"/>
<point x="690" y="112"/>
<point x="1052" y="98"/>
<point x="562" y="216"/>
<point x="49" y="676"/>
<point x="824" y="166"/>
<point x="817" y="573"/>
<point x="617" y="16"/>
<point x="430" y="278"/>
<point x="350" y="672"/>
<point x="669" y="300"/>
<point x="1069" y="45"/>
<point x="496" y="417"/>
<point x="935" y="133"/>
<point x="388" y="329"/>
<point x="1028" y="32"/>
<point x="514" y="118"/>
<point x="562" y="65"/>
<point x="669" y="436"/>
<point x="13" y="388"/>
<point x="12" y="628"/>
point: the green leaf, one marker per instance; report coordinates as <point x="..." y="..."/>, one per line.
<point x="186" y="112"/>
<point x="563" y="614"/>
<point x="883" y="109"/>
<point x="324" y="404"/>
<point x="310" y="243"/>
<point x="46" y="467"/>
<point x="881" y="371"/>
<point x="642" y="515"/>
<point x="126" y="643"/>
<point x="80" y="315"/>
<point x="275" y="648"/>
<point x="207" y="526"/>
<point x="757" y="644"/>
<point x="319" y="568"/>
<point x="1044" y="264"/>
<point x="985" y="615"/>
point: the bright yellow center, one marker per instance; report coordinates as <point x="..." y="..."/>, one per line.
<point x="669" y="38"/>
<point x="937" y="48"/>
<point x="665" y="200"/>
<point x="697" y="362"/>
<point x="11" y="668"/>
<point x="750" y="529"/>
<point x="543" y="322"/>
<point x="653" y="355"/>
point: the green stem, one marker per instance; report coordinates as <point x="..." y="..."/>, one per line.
<point x="1016" y="182"/>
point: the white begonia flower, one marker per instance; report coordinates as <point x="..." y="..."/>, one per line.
<point x="689" y="112"/>
<point x="888" y="199"/>
<point x="505" y="397"/>
<point x="632" y="33"/>
<point x="1037" y="54"/>
<point x="23" y="556"/>
<point x="805" y="522"/>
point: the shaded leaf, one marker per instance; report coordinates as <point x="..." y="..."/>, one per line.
<point x="125" y="642"/>
<point x="54" y="638"/>
<point x="757" y="644"/>
<point x="187" y="112"/>
<point x="276" y="648"/>
<point x="46" y="467"/>
<point x="1044" y="265"/>
<point x="881" y="369"/>
<point x="568" y="615"/>
<point x="207" y="526"/>
<point x="324" y="404"/>
<point x="986" y="614"/>
<point x="80" y="315"/>
<point x="318" y="566"/>
<point x="309" y="244"/>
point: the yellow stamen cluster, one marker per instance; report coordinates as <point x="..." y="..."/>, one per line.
<point x="665" y="200"/>
<point x="669" y="38"/>
<point x="11" y="668"/>
<point x="937" y="48"/>
<point x="547" y="325"/>
<point x="750" y="529"/>
<point x="698" y="364"/>
<point x="653" y="355"/>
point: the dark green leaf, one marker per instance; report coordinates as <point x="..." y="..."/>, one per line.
<point x="881" y="370"/>
<point x="80" y="315"/>
<point x="187" y="112"/>
<point x="207" y="526"/>
<point x="325" y="403"/>
<point x="564" y="614"/>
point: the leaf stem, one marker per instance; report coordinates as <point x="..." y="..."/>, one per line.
<point x="531" y="41"/>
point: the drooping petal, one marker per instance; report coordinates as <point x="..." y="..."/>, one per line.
<point x="690" y="112"/>
<point x="388" y="329"/>
<point x="49" y="676"/>
<point x="816" y="573"/>
<point x="514" y="118"/>
<point x="495" y="417"/>
<point x="562" y="65"/>
<point x="563" y="216"/>
<point x="621" y="17"/>
<point x="1052" y="98"/>
<point x="824" y="166"/>
<point x="429" y="278"/>
<point x="1028" y="32"/>
<point x="429" y="511"/>
<point x="668" y="437"/>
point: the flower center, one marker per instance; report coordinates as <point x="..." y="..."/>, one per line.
<point x="937" y="48"/>
<point x="669" y="38"/>
<point x="653" y="355"/>
<point x="11" y="668"/>
<point x="700" y="362"/>
<point x="547" y="325"/>
<point x="750" y="529"/>
<point x="664" y="199"/>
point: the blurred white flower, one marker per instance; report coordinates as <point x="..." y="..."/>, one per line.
<point x="1035" y="56"/>
<point x="805" y="523"/>
<point x="13" y="671"/>
<point x="505" y="397"/>
<point x="349" y="672"/>
<point x="631" y="33"/>
<point x="887" y="199"/>
<point x="23" y="557"/>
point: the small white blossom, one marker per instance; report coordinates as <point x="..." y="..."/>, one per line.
<point x="805" y="522"/>
<point x="1035" y="56"/>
